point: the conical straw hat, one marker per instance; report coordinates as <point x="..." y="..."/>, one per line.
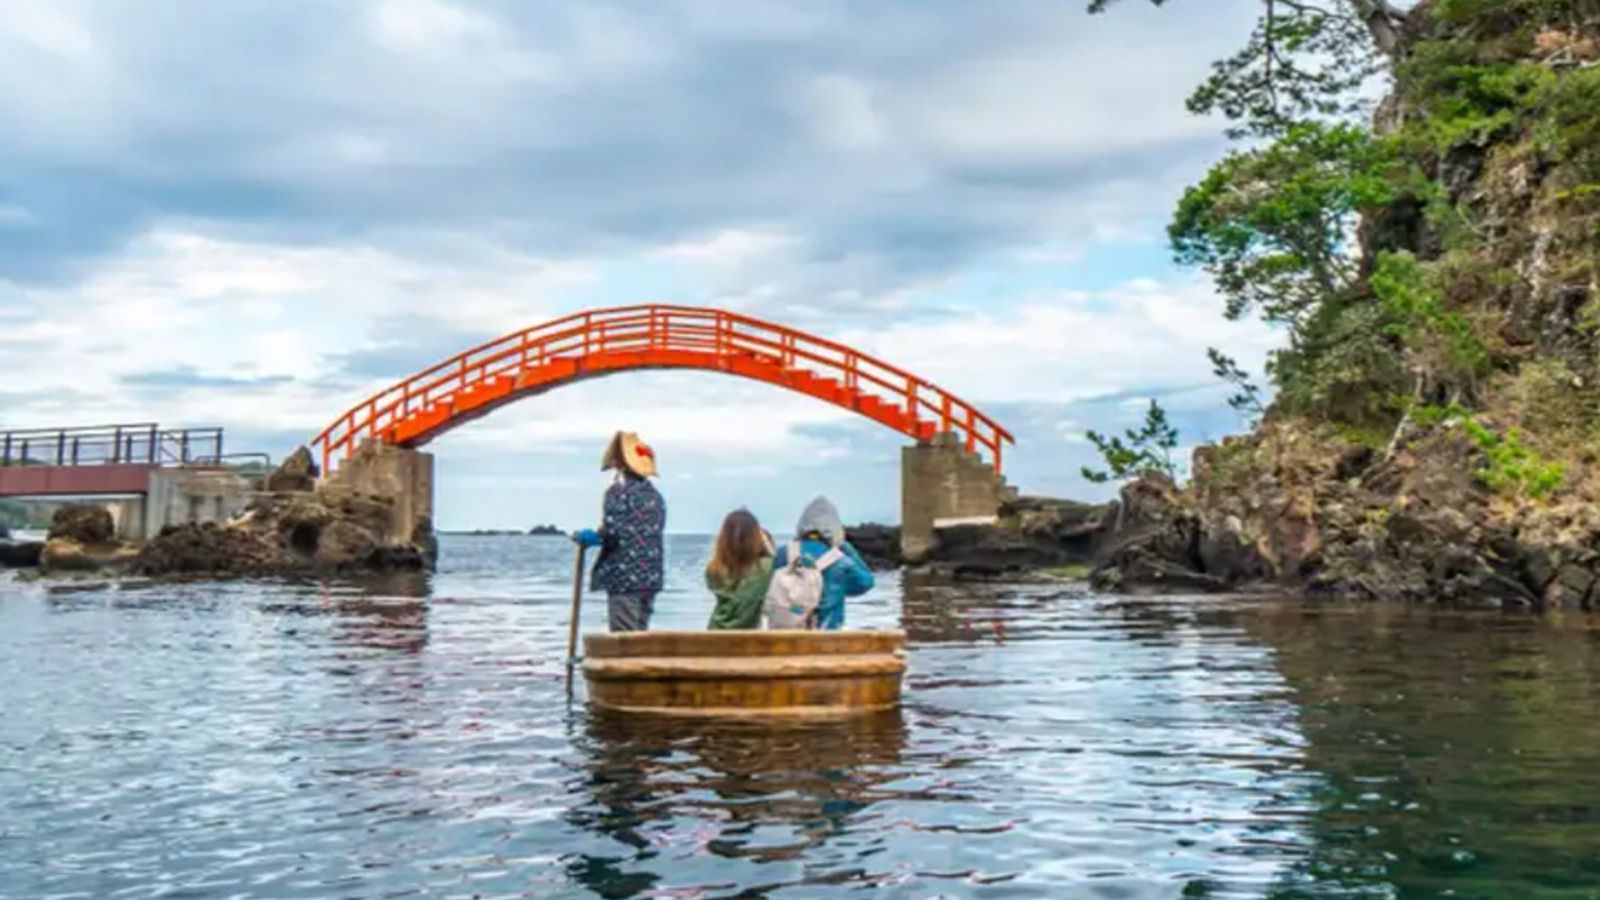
<point x="627" y="450"/>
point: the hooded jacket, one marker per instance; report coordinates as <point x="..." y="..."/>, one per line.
<point x="818" y="530"/>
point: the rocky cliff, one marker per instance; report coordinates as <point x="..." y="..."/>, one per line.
<point x="1436" y="431"/>
<point x="1297" y="507"/>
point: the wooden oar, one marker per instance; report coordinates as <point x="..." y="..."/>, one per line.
<point x="572" y="623"/>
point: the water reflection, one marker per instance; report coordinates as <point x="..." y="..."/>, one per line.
<point x="283" y="738"/>
<point x="767" y="791"/>
<point x="1457" y="752"/>
<point x="389" y="613"/>
<point x="935" y="609"/>
<point x="375" y="613"/>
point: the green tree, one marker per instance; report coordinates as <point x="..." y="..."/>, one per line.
<point x="1442" y="346"/>
<point x="1275" y="225"/>
<point x="1305" y="59"/>
<point x="1272" y="225"/>
<point x="1140" y="451"/>
<point x="1408" y="255"/>
<point x="1246" y="397"/>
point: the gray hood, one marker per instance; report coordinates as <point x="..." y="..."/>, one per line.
<point x="821" y="516"/>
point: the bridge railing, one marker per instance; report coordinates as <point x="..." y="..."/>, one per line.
<point x="658" y="330"/>
<point x="143" y="443"/>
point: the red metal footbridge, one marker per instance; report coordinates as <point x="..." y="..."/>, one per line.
<point x="605" y="341"/>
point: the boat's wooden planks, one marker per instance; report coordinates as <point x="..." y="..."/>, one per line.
<point x="740" y="643"/>
<point x="746" y="673"/>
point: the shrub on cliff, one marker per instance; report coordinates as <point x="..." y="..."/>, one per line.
<point x="1141" y="451"/>
<point x="1425" y="250"/>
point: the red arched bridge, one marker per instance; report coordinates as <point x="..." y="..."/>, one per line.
<point x="600" y="342"/>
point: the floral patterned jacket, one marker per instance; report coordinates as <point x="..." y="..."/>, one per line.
<point x="631" y="553"/>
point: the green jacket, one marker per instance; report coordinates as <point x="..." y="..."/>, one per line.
<point x="739" y="604"/>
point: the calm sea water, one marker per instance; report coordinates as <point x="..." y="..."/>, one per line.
<point x="412" y="738"/>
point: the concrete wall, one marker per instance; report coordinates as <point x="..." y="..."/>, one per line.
<point x="405" y="476"/>
<point x="179" y="496"/>
<point x="167" y="497"/>
<point x="127" y="515"/>
<point x="941" y="480"/>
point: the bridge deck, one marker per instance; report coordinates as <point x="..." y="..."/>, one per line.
<point x="102" y="460"/>
<point x="87" y="481"/>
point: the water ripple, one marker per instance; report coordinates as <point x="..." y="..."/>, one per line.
<point x="411" y="737"/>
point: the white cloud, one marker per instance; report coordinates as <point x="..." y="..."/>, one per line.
<point x="179" y="298"/>
<point x="422" y="25"/>
<point x="1072" y="345"/>
<point x="204" y="225"/>
<point x="731" y="248"/>
<point x="844" y="113"/>
<point x="54" y="27"/>
<point x="988" y="110"/>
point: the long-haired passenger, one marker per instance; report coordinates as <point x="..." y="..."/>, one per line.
<point x="739" y="571"/>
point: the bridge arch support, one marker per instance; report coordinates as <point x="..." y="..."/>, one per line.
<point x="415" y="410"/>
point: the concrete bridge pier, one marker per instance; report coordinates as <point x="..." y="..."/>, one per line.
<point x="941" y="481"/>
<point x="176" y="496"/>
<point x="404" y="477"/>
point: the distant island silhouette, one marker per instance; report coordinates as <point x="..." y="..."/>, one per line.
<point x="535" y="531"/>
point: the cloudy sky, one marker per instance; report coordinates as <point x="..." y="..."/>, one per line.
<point x="252" y="214"/>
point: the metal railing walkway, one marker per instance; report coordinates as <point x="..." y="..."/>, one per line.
<point x="130" y="444"/>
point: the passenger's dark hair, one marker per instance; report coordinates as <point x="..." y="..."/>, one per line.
<point x="740" y="545"/>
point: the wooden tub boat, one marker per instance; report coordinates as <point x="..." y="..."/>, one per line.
<point x="745" y="673"/>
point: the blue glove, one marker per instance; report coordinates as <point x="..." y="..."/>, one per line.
<point x="588" y="537"/>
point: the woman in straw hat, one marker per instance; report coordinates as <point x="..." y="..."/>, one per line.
<point x="630" y="567"/>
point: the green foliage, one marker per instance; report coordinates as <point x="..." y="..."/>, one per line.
<point x="1342" y="366"/>
<point x="1231" y="459"/>
<point x="1272" y="225"/>
<point x="1146" y="449"/>
<point x="1246" y="397"/>
<point x="1442" y="343"/>
<point x="1301" y="62"/>
<point x="1468" y="100"/>
<point x="1515" y="16"/>
<point x="1553" y="403"/>
<point x="1370" y="437"/>
<point x="1511" y="467"/>
<point x="1429" y="414"/>
<point x="1569" y="129"/>
<point x="1373" y="251"/>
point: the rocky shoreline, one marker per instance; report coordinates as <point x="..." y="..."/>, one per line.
<point x="298" y="526"/>
<point x="1297" y="507"/>
<point x="1300" y="508"/>
<point x="1031" y="535"/>
<point x="1294" y="508"/>
<point x="294" y="526"/>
